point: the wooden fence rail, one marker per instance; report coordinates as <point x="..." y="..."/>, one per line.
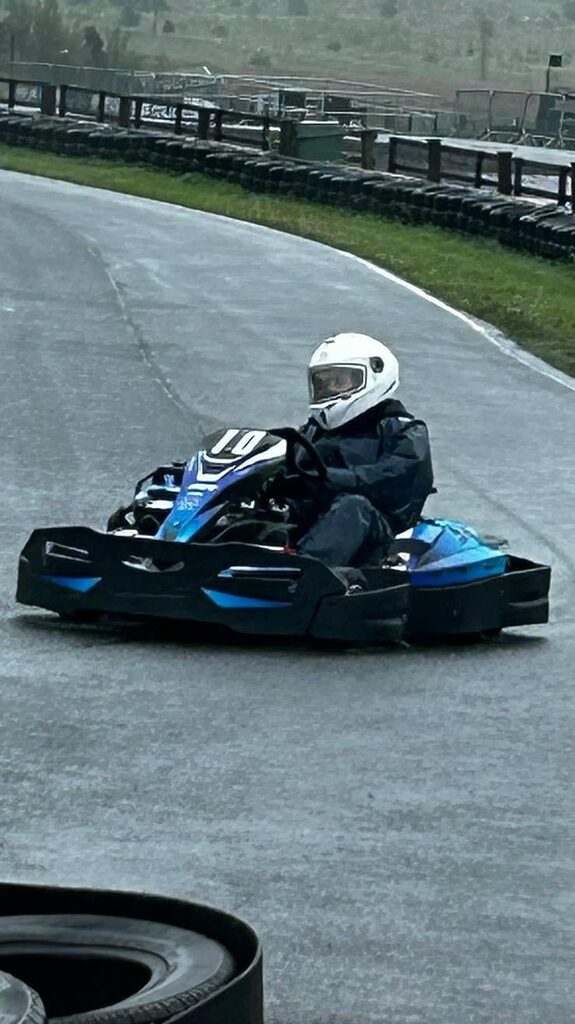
<point x="434" y="159"/>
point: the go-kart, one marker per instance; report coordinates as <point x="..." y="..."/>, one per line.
<point x="207" y="541"/>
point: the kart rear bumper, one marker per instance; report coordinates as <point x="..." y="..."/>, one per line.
<point x="519" y="597"/>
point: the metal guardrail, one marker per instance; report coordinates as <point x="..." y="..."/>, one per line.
<point x="545" y="119"/>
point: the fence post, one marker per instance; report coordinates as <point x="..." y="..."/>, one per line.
<point x="138" y="104"/>
<point x="178" y="121"/>
<point x="102" y="106"/>
<point x="203" y="123"/>
<point x="392" y="155"/>
<point x="125" y="111"/>
<point x="478" y="179"/>
<point x="368" y="137"/>
<point x="562" y="186"/>
<point x="266" y="133"/>
<point x="505" y="172"/>
<point x="288" y="138"/>
<point x="518" y="179"/>
<point x="62" y="101"/>
<point x="434" y="159"/>
<point x="218" y="132"/>
<point x="47" y="99"/>
<point x="11" y="94"/>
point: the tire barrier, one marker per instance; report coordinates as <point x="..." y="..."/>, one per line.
<point x="544" y="230"/>
<point x="77" y="956"/>
<point x="19" y="1004"/>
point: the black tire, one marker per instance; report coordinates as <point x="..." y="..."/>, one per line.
<point x="96" y="969"/>
<point x="19" y="1004"/>
<point x="88" y="617"/>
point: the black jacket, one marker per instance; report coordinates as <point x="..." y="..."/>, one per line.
<point x="383" y="455"/>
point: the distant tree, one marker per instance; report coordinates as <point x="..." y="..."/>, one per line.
<point x="168" y="27"/>
<point x="486" y="26"/>
<point x="93" y="46"/>
<point x="235" y="3"/>
<point x="157" y="7"/>
<point x="117" y="48"/>
<point x="36" y="30"/>
<point x="220" y="31"/>
<point x="335" y="47"/>
<point x="253" y="8"/>
<point x="388" y="8"/>
<point x="130" y="16"/>
<point x="298" y="8"/>
<point x="569" y="10"/>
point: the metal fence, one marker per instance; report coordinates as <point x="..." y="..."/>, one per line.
<point x="525" y="118"/>
<point x="512" y="174"/>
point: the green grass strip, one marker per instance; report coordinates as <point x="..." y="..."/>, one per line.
<point x="529" y="299"/>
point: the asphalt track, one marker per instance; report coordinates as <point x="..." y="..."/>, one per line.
<point x="397" y="826"/>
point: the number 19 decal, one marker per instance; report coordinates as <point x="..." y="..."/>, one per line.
<point x="238" y="442"/>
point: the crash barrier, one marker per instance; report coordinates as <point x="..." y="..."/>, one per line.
<point x="547" y="230"/>
<point x="439" y="161"/>
<point x="434" y="158"/>
<point x="76" y="947"/>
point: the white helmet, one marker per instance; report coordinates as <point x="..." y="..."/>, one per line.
<point x="349" y="374"/>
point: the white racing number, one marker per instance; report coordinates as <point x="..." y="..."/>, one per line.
<point x="238" y="442"/>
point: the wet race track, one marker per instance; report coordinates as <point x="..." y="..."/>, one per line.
<point x="397" y="826"/>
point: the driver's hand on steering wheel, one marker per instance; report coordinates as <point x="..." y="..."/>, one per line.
<point x="290" y="486"/>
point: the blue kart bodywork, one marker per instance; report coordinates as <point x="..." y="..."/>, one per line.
<point x="213" y="557"/>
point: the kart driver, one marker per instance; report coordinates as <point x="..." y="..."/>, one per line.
<point x="377" y="455"/>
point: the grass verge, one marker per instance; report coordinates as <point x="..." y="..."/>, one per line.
<point x="531" y="300"/>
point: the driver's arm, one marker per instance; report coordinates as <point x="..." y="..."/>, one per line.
<point x="404" y="467"/>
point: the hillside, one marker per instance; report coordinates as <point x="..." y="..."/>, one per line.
<point x="433" y="45"/>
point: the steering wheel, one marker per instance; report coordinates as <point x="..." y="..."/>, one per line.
<point x="293" y="438"/>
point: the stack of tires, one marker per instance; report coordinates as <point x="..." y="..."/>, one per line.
<point x="71" y="956"/>
<point x="545" y="231"/>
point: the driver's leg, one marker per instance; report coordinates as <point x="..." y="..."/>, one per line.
<point x="351" y="532"/>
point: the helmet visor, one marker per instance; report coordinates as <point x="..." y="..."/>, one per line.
<point x="335" y="381"/>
